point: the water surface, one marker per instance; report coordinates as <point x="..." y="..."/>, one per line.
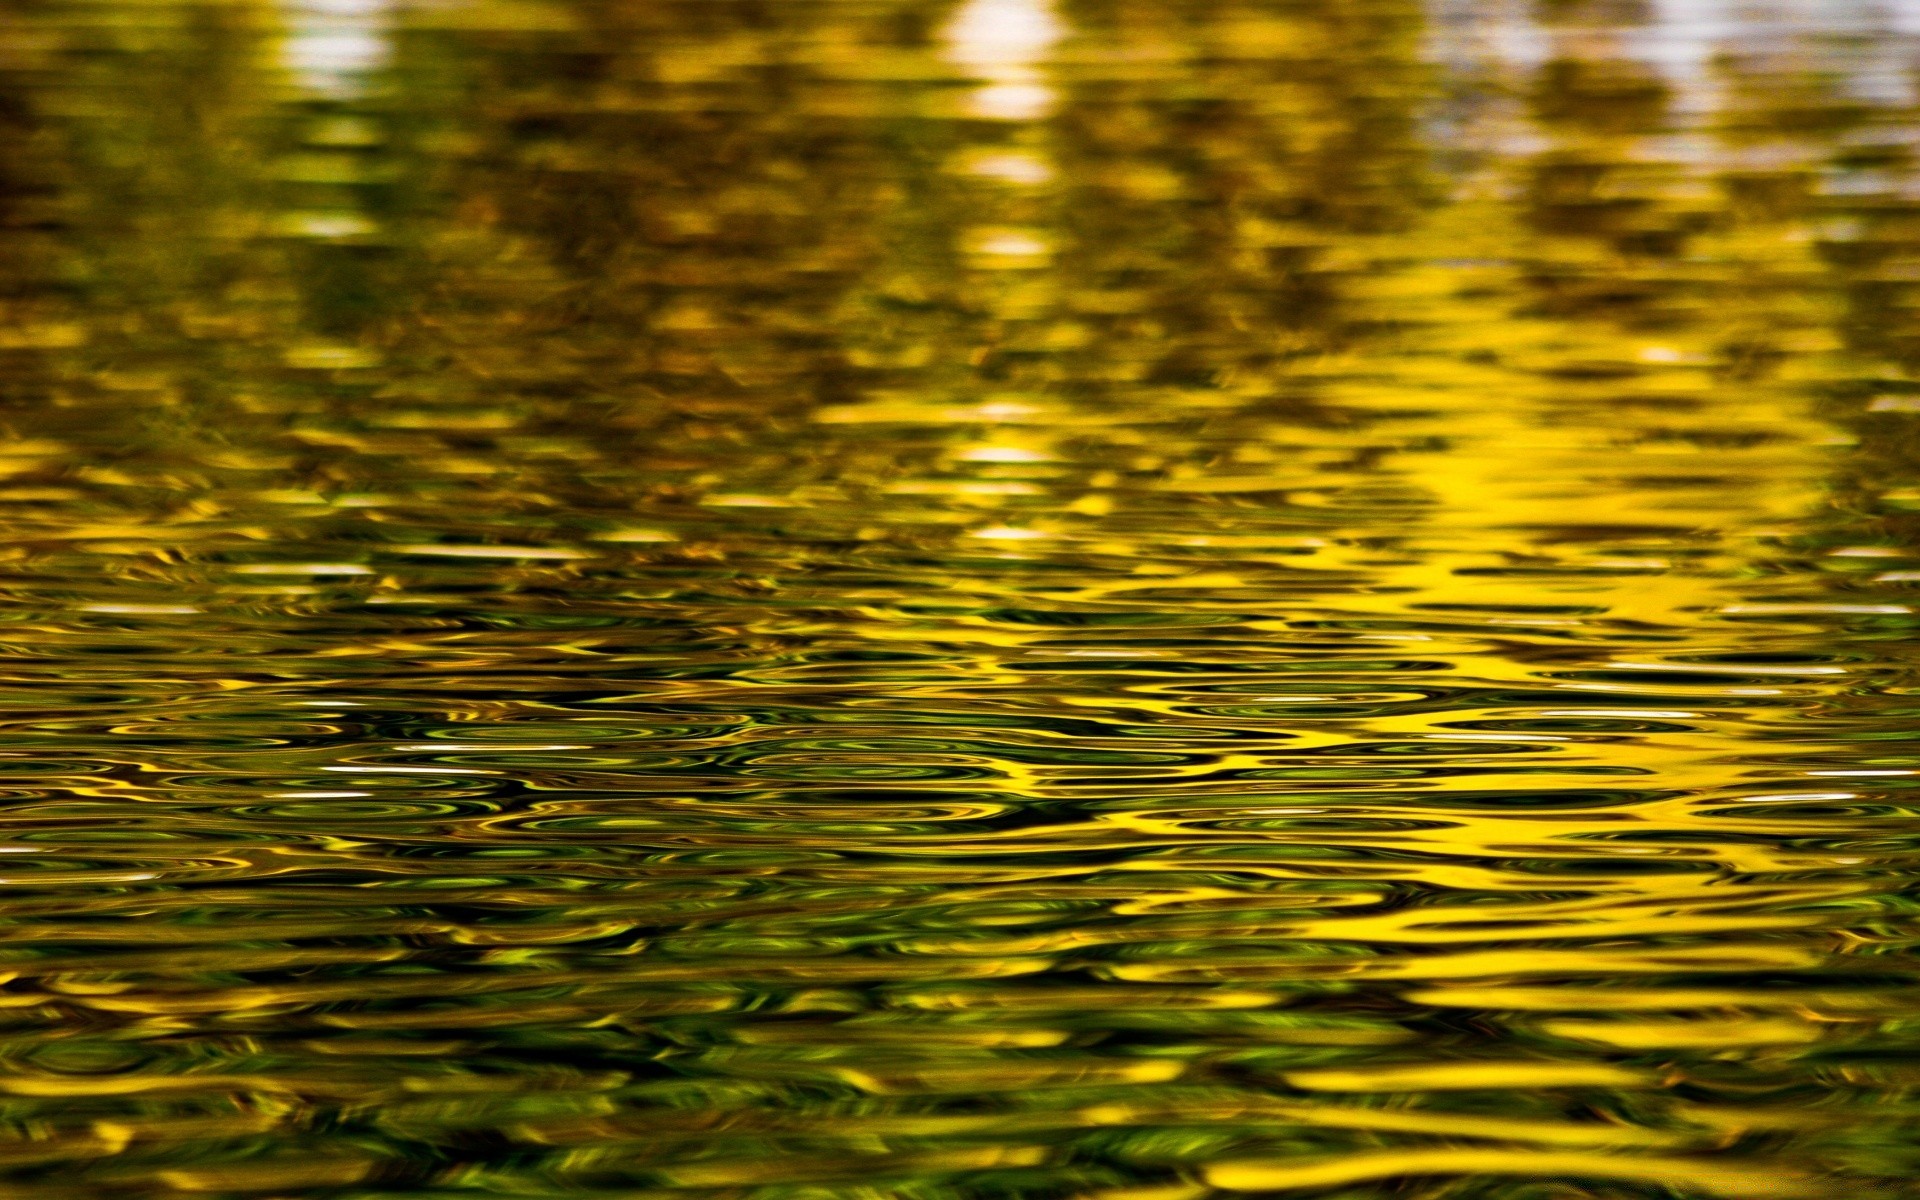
<point x="870" y="599"/>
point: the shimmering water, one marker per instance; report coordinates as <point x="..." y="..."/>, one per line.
<point x="868" y="599"/>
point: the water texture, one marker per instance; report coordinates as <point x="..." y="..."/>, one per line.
<point x="871" y="599"/>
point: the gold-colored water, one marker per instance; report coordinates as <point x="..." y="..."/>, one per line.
<point x="853" y="599"/>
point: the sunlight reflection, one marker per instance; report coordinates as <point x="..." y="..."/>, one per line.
<point x="332" y="45"/>
<point x="1002" y="43"/>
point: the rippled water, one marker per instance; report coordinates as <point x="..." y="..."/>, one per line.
<point x="869" y="599"/>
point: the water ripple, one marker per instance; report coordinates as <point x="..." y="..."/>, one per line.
<point x="844" y="601"/>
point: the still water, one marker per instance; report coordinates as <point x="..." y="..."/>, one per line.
<point x="924" y="599"/>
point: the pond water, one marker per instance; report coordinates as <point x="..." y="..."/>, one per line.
<point x="870" y="599"/>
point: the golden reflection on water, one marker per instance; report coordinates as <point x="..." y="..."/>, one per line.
<point x="752" y="600"/>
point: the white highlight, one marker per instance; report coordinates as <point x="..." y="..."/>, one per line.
<point x="1002" y="43"/>
<point x="332" y="45"/>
